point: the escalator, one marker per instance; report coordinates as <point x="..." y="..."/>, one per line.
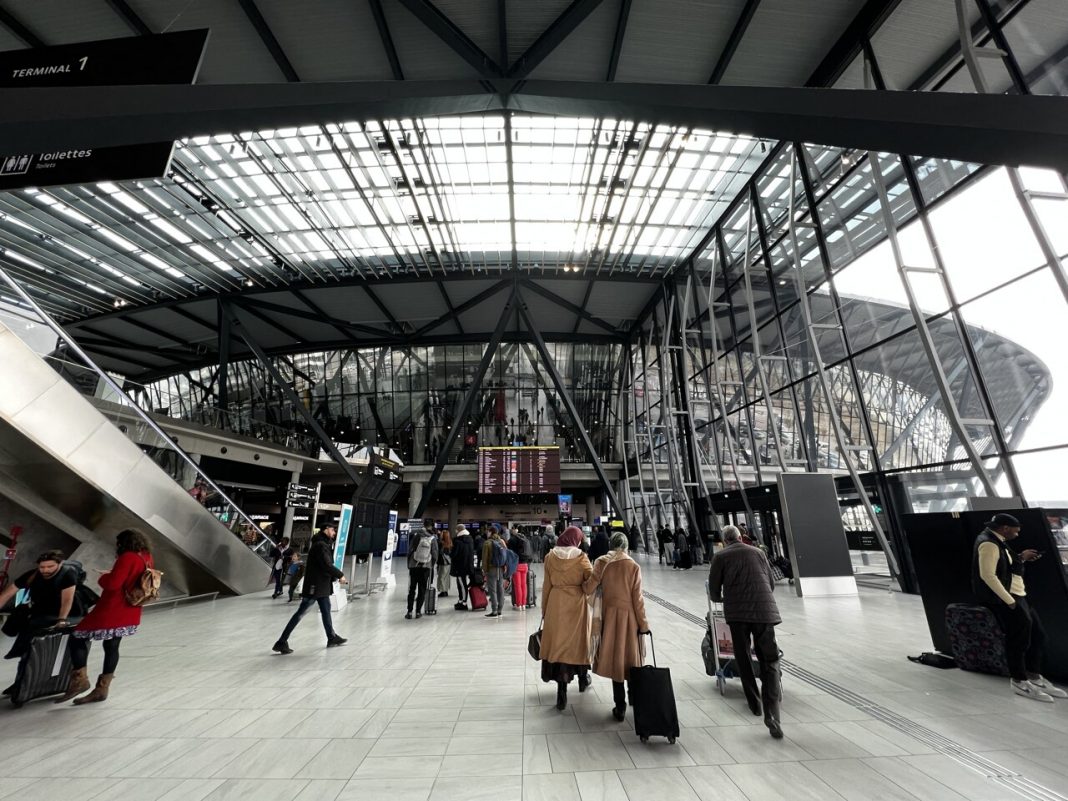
<point x="67" y="464"/>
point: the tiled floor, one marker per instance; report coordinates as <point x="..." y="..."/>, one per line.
<point x="451" y="708"/>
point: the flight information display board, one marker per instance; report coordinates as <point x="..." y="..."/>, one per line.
<point x="521" y="469"/>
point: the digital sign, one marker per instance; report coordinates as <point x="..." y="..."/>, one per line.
<point x="521" y="469"/>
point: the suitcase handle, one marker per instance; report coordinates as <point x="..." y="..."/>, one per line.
<point x="652" y="649"/>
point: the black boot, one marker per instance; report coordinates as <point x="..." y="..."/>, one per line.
<point x="335" y="640"/>
<point x="282" y="647"/>
<point x="561" y="696"/>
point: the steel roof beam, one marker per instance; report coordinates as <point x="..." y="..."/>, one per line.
<point x="580" y="311"/>
<point x="558" y="30"/>
<point x="735" y="39"/>
<point x="849" y="44"/>
<point x="130" y="17"/>
<point x="387" y="39"/>
<point x="446" y="30"/>
<point x="17" y="27"/>
<point x="617" y="40"/>
<point x="987" y="129"/>
<point x="269" y="40"/>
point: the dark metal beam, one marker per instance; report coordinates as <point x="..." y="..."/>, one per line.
<point x="571" y="307"/>
<point x="17" y="27"/>
<point x="456" y="312"/>
<point x="269" y="40"/>
<point x="502" y="31"/>
<point x="277" y="326"/>
<point x="448" y="303"/>
<point x="460" y="421"/>
<point x="225" y="342"/>
<point x="344" y="328"/>
<point x="446" y="30"/>
<point x="569" y="404"/>
<point x="988" y="129"/>
<point x="617" y="40"/>
<point x="291" y="395"/>
<point x="558" y="30"/>
<point x="382" y="308"/>
<point x="864" y="25"/>
<point x="1019" y="82"/>
<point x="130" y="17"/>
<point x="387" y="39"/>
<point x="735" y="39"/>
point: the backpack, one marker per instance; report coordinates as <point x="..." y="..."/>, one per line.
<point x="499" y="555"/>
<point x="146" y="587"/>
<point x="511" y="562"/>
<point x="423" y="550"/>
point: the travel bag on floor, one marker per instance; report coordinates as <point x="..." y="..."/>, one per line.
<point x="976" y="639"/>
<point x="44" y="670"/>
<point x="532" y="589"/>
<point x="477" y="597"/>
<point x="430" y="605"/>
<point x="652" y="701"/>
<point x="684" y="559"/>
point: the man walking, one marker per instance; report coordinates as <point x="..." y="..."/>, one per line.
<point x="422" y="554"/>
<point x="320" y="573"/>
<point x="998" y="582"/>
<point x="741" y="578"/>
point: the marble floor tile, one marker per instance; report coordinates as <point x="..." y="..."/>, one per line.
<point x="574" y="752"/>
<point x="470" y="788"/>
<point x="855" y="781"/>
<point x="551" y="787"/>
<point x="390" y="788"/>
<point x="338" y="759"/>
<point x="712" y="784"/>
<point x="386" y="767"/>
<point x="257" y="790"/>
<point x="772" y="781"/>
<point x="666" y="783"/>
<point x="600" y="785"/>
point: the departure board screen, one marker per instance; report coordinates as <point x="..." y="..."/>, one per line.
<point x="522" y="469"/>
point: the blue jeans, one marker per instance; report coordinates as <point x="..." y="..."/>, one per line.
<point x="305" y="605"/>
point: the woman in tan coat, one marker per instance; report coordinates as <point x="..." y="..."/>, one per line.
<point x="617" y="644"/>
<point x="565" y="635"/>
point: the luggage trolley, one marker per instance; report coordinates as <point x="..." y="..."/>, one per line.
<point x="720" y="647"/>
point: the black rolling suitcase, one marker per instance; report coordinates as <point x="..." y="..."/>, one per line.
<point x="430" y="605"/>
<point x="44" y="671"/>
<point x="652" y="701"/>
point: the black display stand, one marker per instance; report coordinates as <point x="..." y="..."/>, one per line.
<point x="941" y="548"/>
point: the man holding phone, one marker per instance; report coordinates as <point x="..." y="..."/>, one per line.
<point x="997" y="579"/>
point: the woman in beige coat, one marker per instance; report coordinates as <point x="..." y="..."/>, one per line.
<point x="618" y="646"/>
<point x="565" y="635"/>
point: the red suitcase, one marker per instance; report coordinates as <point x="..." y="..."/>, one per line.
<point x="478" y="598"/>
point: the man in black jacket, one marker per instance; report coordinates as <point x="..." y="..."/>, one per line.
<point x="741" y="578"/>
<point x="997" y="580"/>
<point x="320" y="573"/>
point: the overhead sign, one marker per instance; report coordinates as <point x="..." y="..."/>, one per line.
<point x="85" y="166"/>
<point x="169" y="58"/>
<point x="163" y="58"/>
<point x="299" y="496"/>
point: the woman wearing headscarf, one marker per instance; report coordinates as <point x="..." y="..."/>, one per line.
<point x="616" y="645"/>
<point x="565" y="635"/>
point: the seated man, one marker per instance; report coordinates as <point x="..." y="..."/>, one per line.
<point x="51" y="590"/>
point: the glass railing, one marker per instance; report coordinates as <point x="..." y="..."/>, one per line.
<point x="144" y="431"/>
<point x="240" y="422"/>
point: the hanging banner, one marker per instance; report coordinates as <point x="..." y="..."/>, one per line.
<point x="385" y="575"/>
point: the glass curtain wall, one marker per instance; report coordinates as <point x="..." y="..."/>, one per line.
<point x="408" y="398"/>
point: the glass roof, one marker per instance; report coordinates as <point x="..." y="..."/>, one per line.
<point x="379" y="199"/>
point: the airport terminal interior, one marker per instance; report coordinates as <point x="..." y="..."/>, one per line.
<point x="321" y="321"/>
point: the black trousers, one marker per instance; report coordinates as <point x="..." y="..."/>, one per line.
<point x="1025" y="638"/>
<point x="461" y="588"/>
<point x="619" y="694"/>
<point x="79" y="653"/>
<point x="761" y="638"/>
<point x="418" y="577"/>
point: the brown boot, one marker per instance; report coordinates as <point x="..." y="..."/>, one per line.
<point x="99" y="693"/>
<point x="78" y="684"/>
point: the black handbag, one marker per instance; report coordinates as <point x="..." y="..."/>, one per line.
<point x="534" y="646"/>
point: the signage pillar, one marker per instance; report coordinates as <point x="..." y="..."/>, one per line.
<point x="340" y="596"/>
<point x="287" y="523"/>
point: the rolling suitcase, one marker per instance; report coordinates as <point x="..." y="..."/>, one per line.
<point x="532" y="589"/>
<point x="477" y="597"/>
<point x="430" y="605"/>
<point x="652" y="701"/>
<point x="684" y="559"/>
<point x="44" y="671"/>
<point x="976" y="639"/>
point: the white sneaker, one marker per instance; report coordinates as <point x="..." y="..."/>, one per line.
<point x="1028" y="690"/>
<point x="1043" y="685"/>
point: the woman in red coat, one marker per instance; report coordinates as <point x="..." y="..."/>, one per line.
<point x="110" y="620"/>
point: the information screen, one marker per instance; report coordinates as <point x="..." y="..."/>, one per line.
<point x="523" y="469"/>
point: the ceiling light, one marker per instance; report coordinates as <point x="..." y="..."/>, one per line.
<point x="249" y="282"/>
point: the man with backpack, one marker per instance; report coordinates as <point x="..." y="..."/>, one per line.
<point x="422" y="554"/>
<point x="494" y="565"/>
